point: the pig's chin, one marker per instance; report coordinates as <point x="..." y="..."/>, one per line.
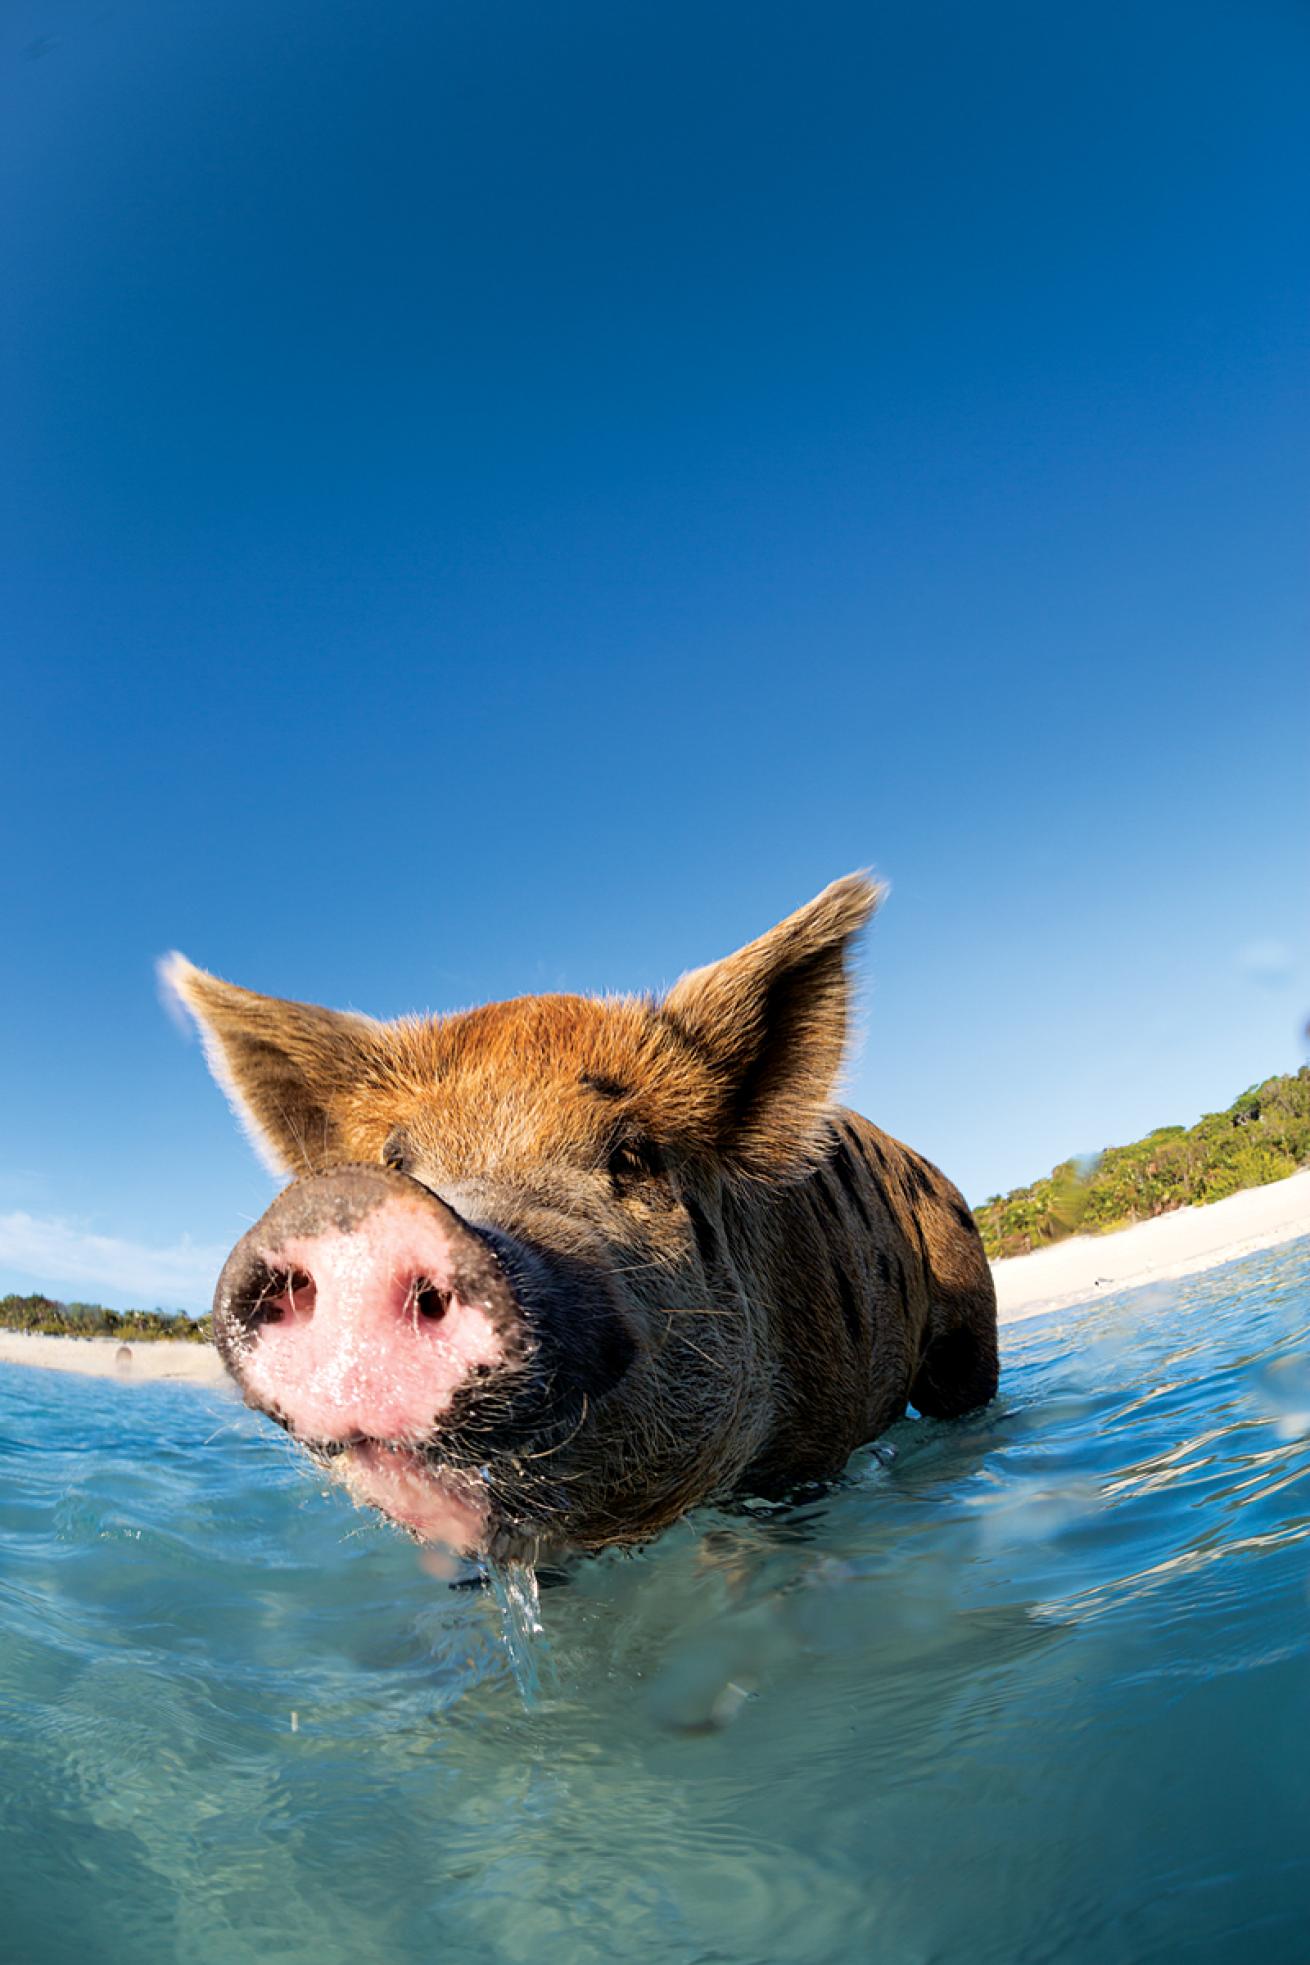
<point x="436" y="1504"/>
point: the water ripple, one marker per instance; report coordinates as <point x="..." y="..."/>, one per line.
<point x="1031" y="1686"/>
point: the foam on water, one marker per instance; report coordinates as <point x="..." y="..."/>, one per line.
<point x="1035" y="1686"/>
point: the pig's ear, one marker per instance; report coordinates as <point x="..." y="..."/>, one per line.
<point x="287" y="1068"/>
<point x="771" y="1022"/>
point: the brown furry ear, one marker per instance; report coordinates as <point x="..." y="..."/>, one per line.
<point x="286" y="1067"/>
<point x="770" y="1021"/>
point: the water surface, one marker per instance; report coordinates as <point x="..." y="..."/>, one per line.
<point x="1037" y="1687"/>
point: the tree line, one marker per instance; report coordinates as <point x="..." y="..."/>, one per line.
<point x="1264" y="1135"/>
<point x="48" y="1317"/>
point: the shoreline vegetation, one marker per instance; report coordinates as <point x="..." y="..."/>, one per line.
<point x="45" y="1316"/>
<point x="1262" y="1137"/>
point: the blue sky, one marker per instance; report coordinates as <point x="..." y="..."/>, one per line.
<point x="507" y="498"/>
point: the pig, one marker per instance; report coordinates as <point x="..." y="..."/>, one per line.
<point x="550" y="1272"/>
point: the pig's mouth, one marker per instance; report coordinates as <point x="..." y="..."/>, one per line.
<point x="471" y="1489"/>
<point x="436" y="1503"/>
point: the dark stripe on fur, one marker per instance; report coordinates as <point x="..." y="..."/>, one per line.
<point x="707" y="1242"/>
<point x="844" y="1168"/>
<point x="820" y="1187"/>
<point x="916" y="1176"/>
<point x="873" y="1162"/>
<point x="923" y="1250"/>
<point x="920" y="1178"/>
<point x="850" y="1308"/>
<point x="828" y="1217"/>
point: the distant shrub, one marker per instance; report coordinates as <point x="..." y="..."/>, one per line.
<point x="1264" y="1135"/>
<point x="47" y="1317"/>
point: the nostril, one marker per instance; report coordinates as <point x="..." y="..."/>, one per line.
<point x="278" y="1294"/>
<point x="428" y="1300"/>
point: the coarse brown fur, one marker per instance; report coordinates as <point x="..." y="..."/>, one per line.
<point x="791" y="1277"/>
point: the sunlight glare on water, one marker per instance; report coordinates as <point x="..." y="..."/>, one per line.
<point x="1035" y="1686"/>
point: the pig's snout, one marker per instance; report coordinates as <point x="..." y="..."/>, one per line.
<point x="360" y="1306"/>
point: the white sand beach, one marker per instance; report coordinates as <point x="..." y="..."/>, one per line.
<point x="1157" y="1251"/>
<point x="98" y="1357"/>
<point x="1151" y="1252"/>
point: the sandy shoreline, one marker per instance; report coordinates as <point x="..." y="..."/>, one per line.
<point x="97" y="1357"/>
<point x="1156" y="1251"/>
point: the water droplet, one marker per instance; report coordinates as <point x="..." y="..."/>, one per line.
<point x="517" y="1596"/>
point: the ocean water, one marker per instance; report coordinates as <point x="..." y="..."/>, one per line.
<point x="1034" y="1687"/>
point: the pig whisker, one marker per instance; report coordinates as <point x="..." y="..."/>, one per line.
<point x="219" y="1432"/>
<point x="538" y="1483"/>
<point x="634" y="1268"/>
<point x="697" y="1310"/>
<point x="546" y="1452"/>
<point x="717" y="1363"/>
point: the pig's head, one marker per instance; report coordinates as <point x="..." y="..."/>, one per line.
<point x="506" y="1295"/>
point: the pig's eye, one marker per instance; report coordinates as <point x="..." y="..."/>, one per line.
<point x="395" y="1153"/>
<point x="634" y="1158"/>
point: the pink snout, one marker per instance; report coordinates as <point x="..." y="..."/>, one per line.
<point x="359" y="1307"/>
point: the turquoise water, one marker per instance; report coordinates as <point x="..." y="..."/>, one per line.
<point x="1038" y="1687"/>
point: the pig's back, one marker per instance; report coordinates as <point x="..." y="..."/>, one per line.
<point x="880" y="1295"/>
